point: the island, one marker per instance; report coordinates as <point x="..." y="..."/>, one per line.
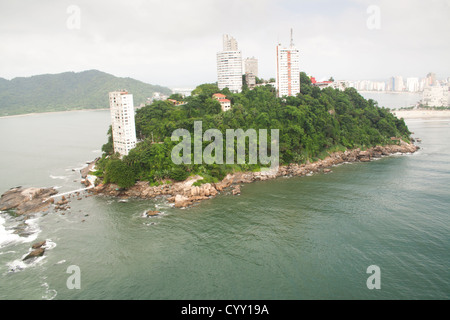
<point x="318" y="129"/>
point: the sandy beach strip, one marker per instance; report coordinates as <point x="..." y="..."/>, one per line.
<point x="422" y="114"/>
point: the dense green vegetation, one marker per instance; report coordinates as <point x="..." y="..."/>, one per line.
<point x="68" y="91"/>
<point x="311" y="124"/>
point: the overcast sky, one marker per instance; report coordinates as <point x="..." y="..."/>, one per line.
<point x="174" y="42"/>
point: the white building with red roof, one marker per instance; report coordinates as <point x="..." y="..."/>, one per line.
<point x="225" y="103"/>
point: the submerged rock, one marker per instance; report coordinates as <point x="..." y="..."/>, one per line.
<point x="151" y="213"/>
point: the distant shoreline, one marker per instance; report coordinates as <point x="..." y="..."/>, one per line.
<point x="49" y="112"/>
<point x="384" y="92"/>
<point x="421" y="114"/>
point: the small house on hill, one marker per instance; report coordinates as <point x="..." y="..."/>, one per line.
<point x="225" y="104"/>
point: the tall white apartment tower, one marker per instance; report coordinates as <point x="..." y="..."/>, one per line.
<point x="288" y="70"/>
<point x="122" y="121"/>
<point x="229" y="65"/>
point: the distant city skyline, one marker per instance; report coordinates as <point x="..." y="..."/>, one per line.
<point x="174" y="43"/>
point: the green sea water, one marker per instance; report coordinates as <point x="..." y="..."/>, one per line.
<point x="290" y="238"/>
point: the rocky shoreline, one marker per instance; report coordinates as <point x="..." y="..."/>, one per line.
<point x="184" y="194"/>
<point x="26" y="201"/>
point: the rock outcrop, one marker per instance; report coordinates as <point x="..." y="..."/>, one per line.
<point x="35" y="253"/>
<point x="37" y="245"/>
<point x="29" y="200"/>
<point x="185" y="193"/>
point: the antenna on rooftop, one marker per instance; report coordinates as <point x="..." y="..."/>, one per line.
<point x="292" y="38"/>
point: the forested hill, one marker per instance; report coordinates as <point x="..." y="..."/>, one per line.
<point x="68" y="91"/>
<point x="311" y="125"/>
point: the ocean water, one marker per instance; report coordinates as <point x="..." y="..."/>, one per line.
<point x="393" y="100"/>
<point x="290" y="238"/>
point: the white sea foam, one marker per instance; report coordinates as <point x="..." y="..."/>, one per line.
<point x="16" y="265"/>
<point x="76" y="169"/>
<point x="6" y="252"/>
<point x="59" y="177"/>
<point x="61" y="262"/>
<point x="49" y="244"/>
<point x="163" y="205"/>
<point x="49" y="294"/>
<point x="19" y="265"/>
<point x="7" y="236"/>
<point x="32" y="229"/>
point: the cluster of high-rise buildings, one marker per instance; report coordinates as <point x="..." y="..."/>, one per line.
<point x="231" y="68"/>
<point x="435" y="93"/>
<point x="400" y="84"/>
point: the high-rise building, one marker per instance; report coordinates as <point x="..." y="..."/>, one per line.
<point x="251" y="66"/>
<point x="122" y="121"/>
<point x="250" y="80"/>
<point x="288" y="70"/>
<point x="229" y="43"/>
<point x="229" y="65"/>
<point x="412" y="84"/>
<point x="431" y="79"/>
<point x="396" y="84"/>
